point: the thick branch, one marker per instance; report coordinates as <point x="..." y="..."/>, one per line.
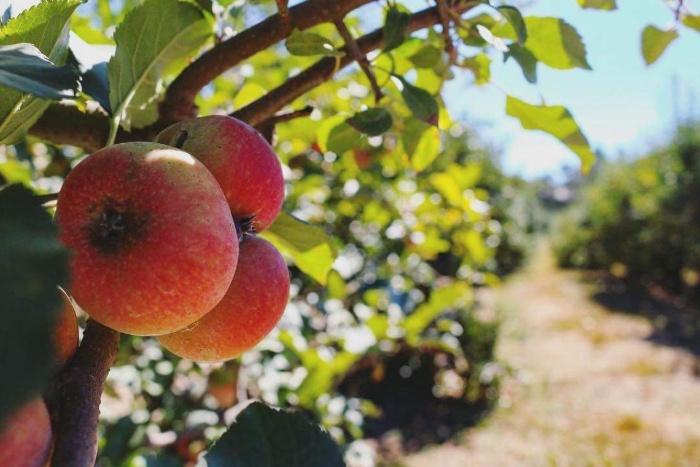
<point x="323" y="70"/>
<point x="74" y="401"/>
<point x="354" y="49"/>
<point x="179" y="99"/>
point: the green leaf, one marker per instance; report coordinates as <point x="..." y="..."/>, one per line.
<point x="515" y="18"/>
<point x="342" y="138"/>
<point x="420" y="102"/>
<point x="692" y="21"/>
<point x="426" y="57"/>
<point x="457" y="295"/>
<point x="46" y="27"/>
<point x="309" y="246"/>
<point x="265" y="437"/>
<point x="336" y="287"/>
<point x="153" y="40"/>
<point x="555" y="120"/>
<point x="480" y="65"/>
<point x="427" y="149"/>
<point x="32" y="265"/>
<point x="307" y="44"/>
<point x="555" y="43"/>
<point x="395" y="29"/>
<point x="24" y="67"/>
<point x="599" y="4"/>
<point x="526" y="60"/>
<point x="655" y="41"/>
<point x="372" y="122"/>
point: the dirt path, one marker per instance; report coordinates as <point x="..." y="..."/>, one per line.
<point x="586" y="388"/>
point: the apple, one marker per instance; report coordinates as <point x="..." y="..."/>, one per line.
<point x="251" y="308"/>
<point x="66" y="331"/>
<point x="25" y="437"/>
<point x="154" y="245"/>
<point x="243" y="163"/>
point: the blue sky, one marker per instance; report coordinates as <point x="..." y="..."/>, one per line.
<point x="622" y="106"/>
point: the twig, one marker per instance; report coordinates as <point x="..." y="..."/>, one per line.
<point x="74" y="401"/>
<point x="444" y="13"/>
<point x="267" y="127"/>
<point x="276" y="99"/>
<point x="283" y="11"/>
<point x="354" y="50"/>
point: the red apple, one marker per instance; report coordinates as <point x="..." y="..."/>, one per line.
<point x="66" y="332"/>
<point x="248" y="312"/>
<point x="154" y="245"/>
<point x="25" y="439"/>
<point x="241" y="160"/>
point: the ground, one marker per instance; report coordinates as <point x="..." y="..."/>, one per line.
<point x="584" y="385"/>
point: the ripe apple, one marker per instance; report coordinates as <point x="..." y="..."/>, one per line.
<point x="154" y="245"/>
<point x="252" y="306"/>
<point x="25" y="438"/>
<point x="66" y="332"/>
<point x="241" y="160"/>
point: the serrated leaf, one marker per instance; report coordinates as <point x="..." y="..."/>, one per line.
<point x="555" y="43"/>
<point x="372" y="122"/>
<point x="309" y="246"/>
<point x="25" y="68"/>
<point x="526" y="60"/>
<point x="32" y="264"/>
<point x="692" y="21"/>
<point x="420" y="102"/>
<point x="46" y="27"/>
<point x="480" y="65"/>
<point x="598" y="4"/>
<point x="308" y="44"/>
<point x="265" y="437"/>
<point x="515" y="18"/>
<point x="342" y="138"/>
<point x="655" y="41"/>
<point x="395" y="29"/>
<point x="427" y="149"/>
<point x="555" y="120"/>
<point x="153" y="39"/>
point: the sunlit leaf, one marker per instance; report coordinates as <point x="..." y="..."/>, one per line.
<point x="427" y="150"/>
<point x="32" y="264"/>
<point x="25" y="68"/>
<point x="306" y="44"/>
<point x="692" y="21"/>
<point x="555" y="120"/>
<point x="310" y="248"/>
<point x="599" y="4"/>
<point x="336" y="286"/>
<point x="441" y="299"/>
<point x="265" y="437"/>
<point x="342" y="138"/>
<point x="372" y="122"/>
<point x="480" y="65"/>
<point x="655" y="41"/>
<point x="152" y="39"/>
<point x="555" y="43"/>
<point x="515" y="18"/>
<point x="426" y="57"/>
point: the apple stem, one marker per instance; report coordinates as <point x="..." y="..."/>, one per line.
<point x="74" y="398"/>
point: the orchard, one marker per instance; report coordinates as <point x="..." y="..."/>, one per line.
<point x="260" y="213"/>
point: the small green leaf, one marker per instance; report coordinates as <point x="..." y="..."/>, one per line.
<point x="555" y="120"/>
<point x="555" y="43"/>
<point x="420" y="102"/>
<point x="427" y="149"/>
<point x="395" y="29"/>
<point x="599" y="4"/>
<point x="336" y="287"/>
<point x="309" y="246"/>
<point x="372" y="122"/>
<point x="692" y="21"/>
<point x="32" y="264"/>
<point x="655" y="41"/>
<point x="265" y="437"/>
<point x="154" y="39"/>
<point x="25" y="68"/>
<point x="426" y="57"/>
<point x="44" y="26"/>
<point x="342" y="138"/>
<point x="307" y="44"/>
<point x="526" y="60"/>
<point x="480" y="65"/>
<point x="515" y="18"/>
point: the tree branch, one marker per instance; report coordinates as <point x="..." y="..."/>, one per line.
<point x="179" y="98"/>
<point x="74" y="401"/>
<point x="354" y="49"/>
<point x="323" y="70"/>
